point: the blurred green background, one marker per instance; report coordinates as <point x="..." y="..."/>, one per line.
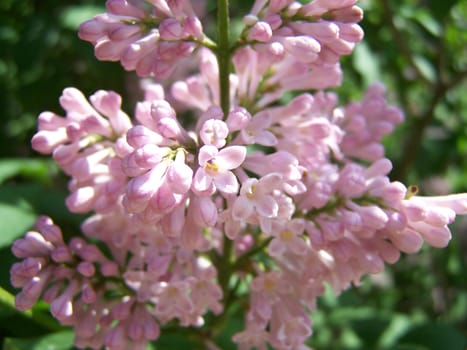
<point x="418" y="48"/>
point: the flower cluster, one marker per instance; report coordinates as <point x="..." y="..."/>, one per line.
<point x="149" y="39"/>
<point x="283" y="198"/>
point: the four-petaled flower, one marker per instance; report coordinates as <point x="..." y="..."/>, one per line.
<point x="215" y="167"/>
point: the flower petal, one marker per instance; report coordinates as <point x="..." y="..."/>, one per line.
<point x="231" y="157"/>
<point x="266" y="206"/>
<point x="201" y="181"/>
<point x="242" y="208"/>
<point x="226" y="182"/>
<point x="206" y="153"/>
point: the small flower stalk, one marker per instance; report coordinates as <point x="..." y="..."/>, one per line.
<point x="280" y="197"/>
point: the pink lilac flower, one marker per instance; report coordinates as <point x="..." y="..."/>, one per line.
<point x="148" y="40"/>
<point x="316" y="31"/>
<point x="366" y="123"/>
<point x="256" y="198"/>
<point x="263" y="77"/>
<point x="87" y="143"/>
<point x="76" y="291"/>
<point x="215" y="169"/>
<point x="287" y="237"/>
<point x="305" y="183"/>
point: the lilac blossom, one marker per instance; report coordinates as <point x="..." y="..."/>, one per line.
<point x="215" y="169"/>
<point x="180" y="208"/>
<point x="87" y="143"/>
<point x="147" y="40"/>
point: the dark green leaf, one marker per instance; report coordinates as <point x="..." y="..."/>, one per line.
<point x="440" y="9"/>
<point x="434" y="336"/>
<point x="55" y="341"/>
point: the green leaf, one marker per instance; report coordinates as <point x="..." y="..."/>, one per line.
<point x="426" y="68"/>
<point x="73" y="16"/>
<point x="440" y="9"/>
<point x="370" y="329"/>
<point x="55" y="341"/>
<point x="176" y="341"/>
<point x="366" y="63"/>
<point x="16" y="220"/>
<point x="434" y="336"/>
<point x="44" y="200"/>
<point x="7" y="304"/>
<point x="28" y="167"/>
<point x="427" y="21"/>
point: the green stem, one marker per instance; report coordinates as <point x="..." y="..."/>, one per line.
<point x="223" y="54"/>
<point x="224" y="263"/>
<point x="225" y="268"/>
<point x="243" y="259"/>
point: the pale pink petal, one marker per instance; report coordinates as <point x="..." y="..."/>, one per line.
<point x="231" y="157"/>
<point x="242" y="208"/>
<point x="298" y="246"/>
<point x="206" y="153"/>
<point x="269" y="182"/>
<point x="201" y="181"/>
<point x="266" y="206"/>
<point x="179" y="176"/>
<point x="276" y="247"/>
<point x="266" y="138"/>
<point x="226" y="182"/>
<point x="296" y="226"/>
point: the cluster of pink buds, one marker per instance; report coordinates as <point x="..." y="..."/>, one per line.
<point x="149" y="39"/>
<point x="279" y="198"/>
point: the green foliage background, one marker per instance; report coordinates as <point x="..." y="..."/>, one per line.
<point x="418" y="48"/>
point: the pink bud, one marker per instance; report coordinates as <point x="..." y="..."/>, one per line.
<point x="170" y="29"/>
<point x="88" y="295"/>
<point x="214" y="132"/>
<point x="179" y="175"/>
<point x="93" y="29"/>
<point x="303" y="48"/>
<point x="81" y="200"/>
<point x="32" y="245"/>
<point x="193" y="27"/>
<point x="140" y="135"/>
<point x="45" y="141"/>
<point x="62" y="307"/>
<point x="238" y="119"/>
<point x="261" y="31"/>
<point x="86" y="269"/>
<point x="116" y="339"/>
<point x="61" y="254"/>
<point x="408" y="241"/>
<point x="49" y="230"/>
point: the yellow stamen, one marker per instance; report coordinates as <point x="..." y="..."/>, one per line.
<point x="251" y="193"/>
<point x="286" y="235"/>
<point x="212" y="167"/>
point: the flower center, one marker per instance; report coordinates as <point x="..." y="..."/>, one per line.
<point x="269" y="284"/>
<point x="251" y="193"/>
<point x="211" y="167"/>
<point x="286" y="235"/>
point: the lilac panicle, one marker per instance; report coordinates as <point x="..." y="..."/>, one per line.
<point x="180" y="207"/>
